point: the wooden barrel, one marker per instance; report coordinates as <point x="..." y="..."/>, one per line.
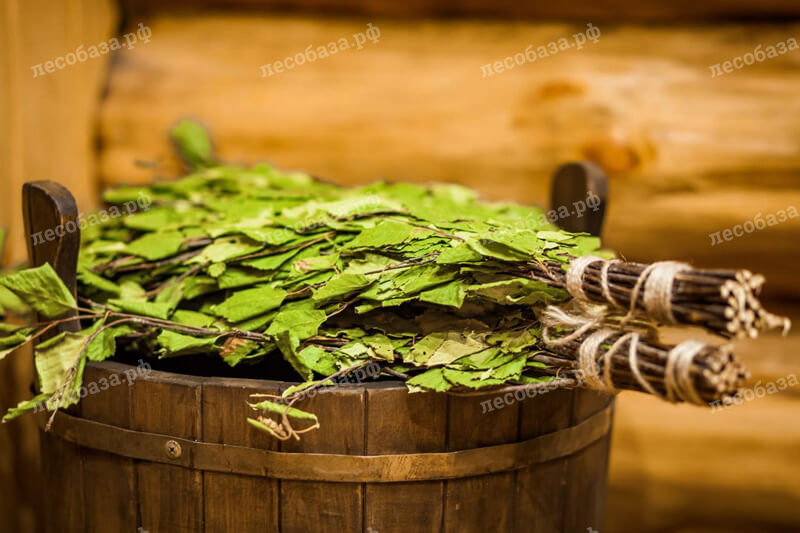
<point x="172" y="453"/>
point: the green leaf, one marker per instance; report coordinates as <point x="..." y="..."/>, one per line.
<point x="90" y="279"/>
<point x="387" y="232"/>
<point x="311" y="264"/>
<point x="137" y="307"/>
<point x="432" y="380"/>
<point x="483" y="360"/>
<point x="515" y="341"/>
<point x="318" y="360"/>
<point x="270" y="262"/>
<point x="54" y="357"/>
<point x="509" y="371"/>
<point x="444" y="347"/>
<point x="518" y="291"/>
<point x="472" y="380"/>
<point x="302" y="319"/>
<point x="174" y="344"/>
<point x="339" y="286"/>
<point x="263" y="427"/>
<point x="288" y="343"/>
<point x="554" y="236"/>
<point x="11" y="302"/>
<point x="215" y="270"/>
<point x="458" y="254"/>
<point x="279" y="409"/>
<point x="42" y="289"/>
<point x="450" y="294"/>
<point x="156" y="245"/>
<point x="15" y="341"/>
<point x="37" y="402"/>
<point x="248" y="303"/>
<point x="236" y="350"/>
<point x="235" y="277"/>
<point x="225" y="249"/>
<point x="192" y="318"/>
<point x="194" y="143"/>
<point x="381" y="345"/>
<point x="105" y="344"/>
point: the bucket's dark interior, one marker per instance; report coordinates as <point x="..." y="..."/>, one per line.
<point x="273" y="367"/>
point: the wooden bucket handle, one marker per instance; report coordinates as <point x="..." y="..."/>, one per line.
<point x="575" y="184"/>
<point x="52" y="233"/>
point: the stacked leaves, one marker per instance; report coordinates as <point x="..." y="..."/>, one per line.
<point x="255" y="264"/>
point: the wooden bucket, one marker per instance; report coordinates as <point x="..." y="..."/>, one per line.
<point x="170" y="453"/>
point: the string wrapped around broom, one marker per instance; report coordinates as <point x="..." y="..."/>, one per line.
<point x="724" y="302"/>
<point x="608" y="357"/>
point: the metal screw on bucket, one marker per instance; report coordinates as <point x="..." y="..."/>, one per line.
<point x="174" y="449"/>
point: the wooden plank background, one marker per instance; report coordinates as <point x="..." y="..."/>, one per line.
<point x="47" y="131"/>
<point x="687" y="155"/>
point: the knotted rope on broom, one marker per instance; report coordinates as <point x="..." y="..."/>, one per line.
<point x="724" y="302"/>
<point x="610" y="357"/>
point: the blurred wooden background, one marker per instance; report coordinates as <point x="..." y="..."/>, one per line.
<point x="687" y="154"/>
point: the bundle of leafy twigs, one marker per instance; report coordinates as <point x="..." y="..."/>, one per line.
<point x="724" y="302"/>
<point x="426" y="284"/>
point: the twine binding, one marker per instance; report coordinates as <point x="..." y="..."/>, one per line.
<point x="654" y="286"/>
<point x="678" y="382"/>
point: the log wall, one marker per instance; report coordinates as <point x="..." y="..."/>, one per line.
<point x="47" y="131"/>
<point x="687" y="154"/>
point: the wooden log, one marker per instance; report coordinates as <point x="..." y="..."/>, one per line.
<point x="738" y="462"/>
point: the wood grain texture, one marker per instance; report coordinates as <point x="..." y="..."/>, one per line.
<point x="47" y="131"/>
<point x="46" y="206"/>
<point x="226" y="496"/>
<point x="102" y="491"/>
<point x="587" y="471"/>
<point x="483" y="503"/>
<point x="109" y="481"/>
<point x="170" y="498"/>
<point x="738" y="462"/>
<point x="63" y="493"/>
<point x="312" y="506"/>
<point x="543" y="486"/>
<point x="398" y="422"/>
<point x="687" y="155"/>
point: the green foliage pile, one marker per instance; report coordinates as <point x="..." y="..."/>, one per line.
<point x="245" y="264"/>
